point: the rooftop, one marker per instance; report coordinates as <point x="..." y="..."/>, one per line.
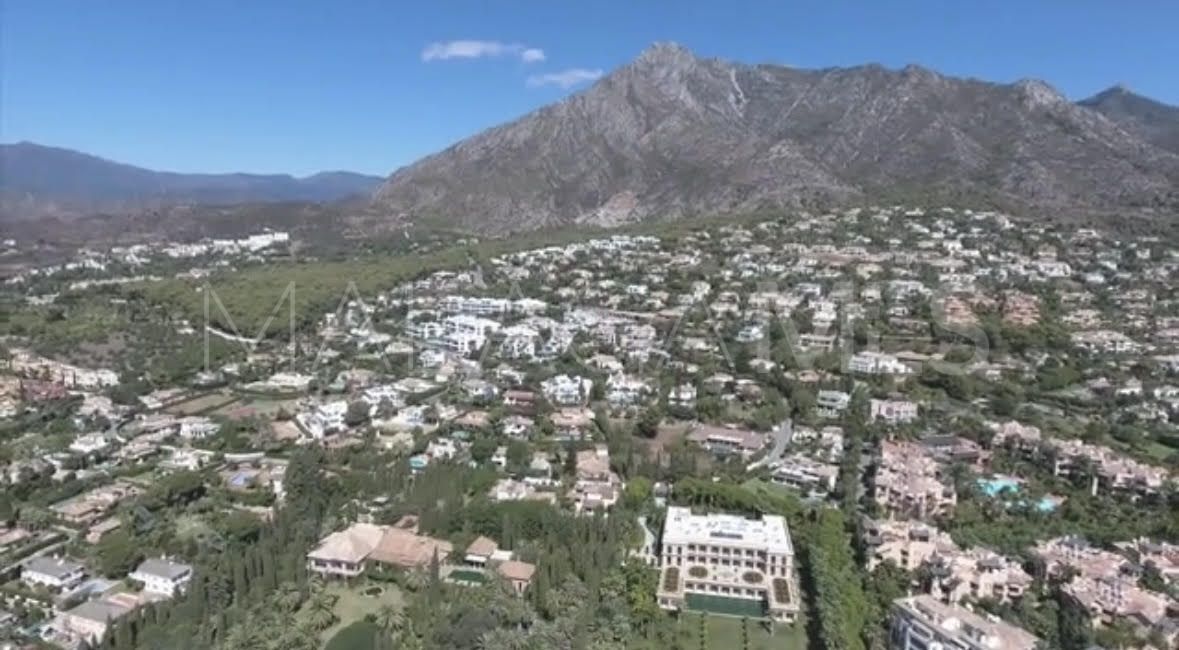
<point x="769" y="533"/>
<point x="982" y="632"/>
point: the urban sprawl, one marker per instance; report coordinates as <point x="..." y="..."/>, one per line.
<point x="892" y="427"/>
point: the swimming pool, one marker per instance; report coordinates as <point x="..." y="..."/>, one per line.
<point x="996" y="485"/>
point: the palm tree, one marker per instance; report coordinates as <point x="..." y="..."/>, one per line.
<point x="390" y="620"/>
<point x="503" y="639"/>
<point x="321" y="610"/>
<point x="288" y="597"/>
<point x="417" y="579"/>
<point x="408" y="639"/>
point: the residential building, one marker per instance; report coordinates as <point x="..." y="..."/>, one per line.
<point x="346" y="553"/>
<point x="343" y="554"/>
<point x="517" y="574"/>
<point x="710" y="558"/>
<point x="53" y="573"/>
<point x="893" y="411"/>
<point x="727" y="441"/>
<point x="809" y="476"/>
<point x="91" y="620"/>
<point x="875" y="363"/>
<point x="1109" y="470"/>
<point x="832" y="403"/>
<point x="596" y="487"/>
<point x="925" y="623"/>
<point x="510" y="489"/>
<point x="566" y="390"/>
<point x="163" y="576"/>
<point x="909" y="482"/>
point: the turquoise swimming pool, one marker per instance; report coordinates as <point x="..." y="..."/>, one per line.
<point x="995" y="486"/>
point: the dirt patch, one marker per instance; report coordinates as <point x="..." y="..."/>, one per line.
<point x="202" y="404"/>
<point x="667" y="435"/>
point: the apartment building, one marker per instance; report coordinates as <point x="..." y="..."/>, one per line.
<point x="727" y="563"/>
<point x="978" y="573"/>
<point x="909" y="482"/>
<point x="925" y="623"/>
<point x="1112" y="471"/>
<point x="957" y="574"/>
<point x="907" y="544"/>
<point x="1106" y="584"/>
<point x="1111" y="598"/>
<point x="1162" y="556"/>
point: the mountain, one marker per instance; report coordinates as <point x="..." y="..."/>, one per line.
<point x="1153" y="121"/>
<point x="671" y="134"/>
<point x="36" y="180"/>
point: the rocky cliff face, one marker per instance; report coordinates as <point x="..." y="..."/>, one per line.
<point x="671" y="134"/>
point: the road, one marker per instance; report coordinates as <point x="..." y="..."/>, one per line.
<point x="783" y="434"/>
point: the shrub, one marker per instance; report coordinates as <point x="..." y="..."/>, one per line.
<point x="671" y="579"/>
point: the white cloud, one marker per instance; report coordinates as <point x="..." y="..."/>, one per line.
<point x="565" y="78"/>
<point x="532" y="55"/>
<point x="480" y="49"/>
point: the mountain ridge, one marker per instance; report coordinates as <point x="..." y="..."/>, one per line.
<point x="1147" y="118"/>
<point x="39" y="180"/>
<point x="671" y="134"/>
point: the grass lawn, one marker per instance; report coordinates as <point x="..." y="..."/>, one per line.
<point x="352" y="605"/>
<point x="191" y="527"/>
<point x="1157" y="451"/>
<point x="725" y="633"/>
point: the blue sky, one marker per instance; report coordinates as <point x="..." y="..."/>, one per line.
<point x="305" y="85"/>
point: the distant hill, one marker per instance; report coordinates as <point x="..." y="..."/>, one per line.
<point x="36" y="180"/>
<point x="1153" y="121"/>
<point x="671" y="134"/>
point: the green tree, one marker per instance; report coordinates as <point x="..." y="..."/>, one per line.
<point x="357" y="413"/>
<point x="648" y="422"/>
<point x="118" y="554"/>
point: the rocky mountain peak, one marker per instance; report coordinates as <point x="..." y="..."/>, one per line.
<point x="1037" y="93"/>
<point x="666" y="53"/>
<point x="670" y="134"/>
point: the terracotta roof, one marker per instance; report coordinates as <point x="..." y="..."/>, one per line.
<point x="351" y="545"/>
<point x="482" y="547"/>
<point x="519" y="571"/>
<point x="405" y="549"/>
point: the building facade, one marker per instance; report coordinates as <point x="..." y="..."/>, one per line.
<point x="727" y="564"/>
